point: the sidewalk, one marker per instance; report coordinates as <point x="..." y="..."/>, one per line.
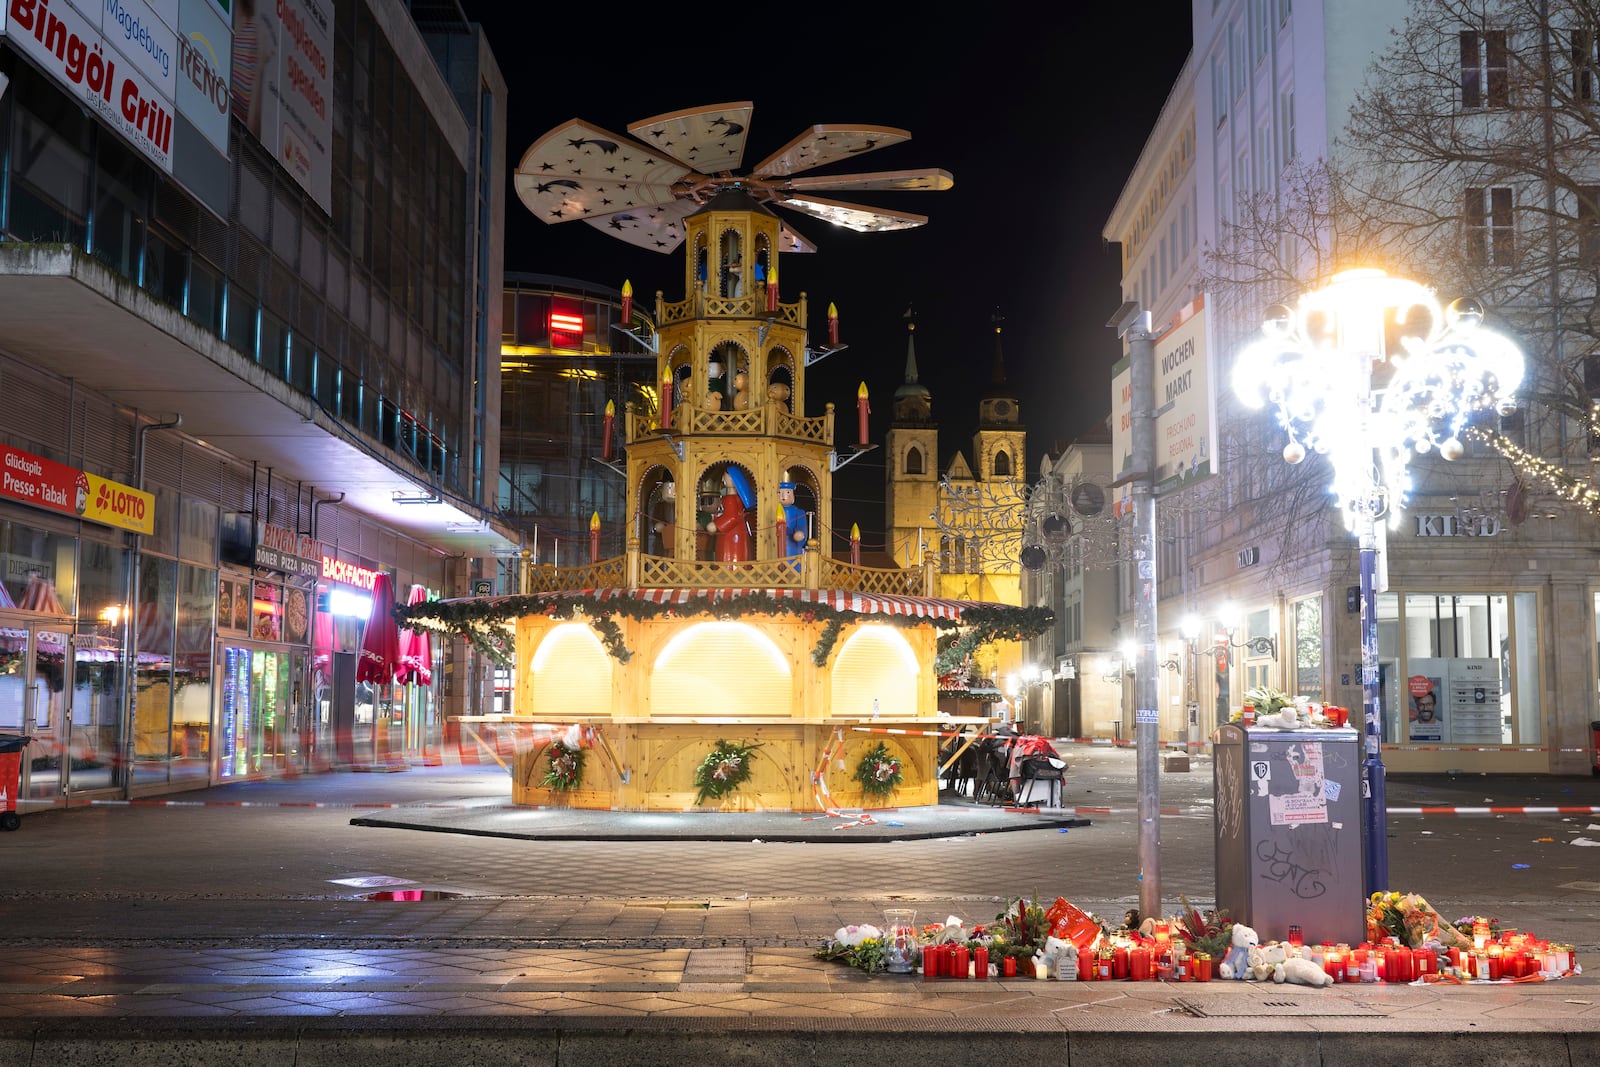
<point x="100" y="975"/>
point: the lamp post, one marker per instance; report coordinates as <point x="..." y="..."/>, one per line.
<point x="1369" y="371"/>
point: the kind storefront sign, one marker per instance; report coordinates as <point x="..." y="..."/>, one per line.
<point x="56" y="487"/>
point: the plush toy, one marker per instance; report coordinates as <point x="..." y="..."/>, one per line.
<point x="1236" y="964"/>
<point x="953" y="932"/>
<point x="854" y="935"/>
<point x="1285" y="718"/>
<point x="741" y="391"/>
<point x="1061" y="957"/>
<point x="1301" y="971"/>
<point x="1265" y="960"/>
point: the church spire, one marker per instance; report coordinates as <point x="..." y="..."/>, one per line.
<point x="998" y="377"/>
<point x="912" y="401"/>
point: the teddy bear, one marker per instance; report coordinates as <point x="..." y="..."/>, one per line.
<point x="1265" y="960"/>
<point x="1285" y="718"/>
<point x="778" y="392"/>
<point x="741" y="391"/>
<point x="1061" y="957"/>
<point x="1236" y="964"/>
<point x="1300" y="971"/>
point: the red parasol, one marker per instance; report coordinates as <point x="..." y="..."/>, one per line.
<point x="380" y="643"/>
<point x="416" y="648"/>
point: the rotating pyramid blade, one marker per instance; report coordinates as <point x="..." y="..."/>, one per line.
<point x="854" y="216"/>
<point x="579" y="170"/>
<point x="709" y="139"/>
<point x="657" y="228"/>
<point x="792" y="240"/>
<point x="894" y="180"/>
<point x="821" y="145"/>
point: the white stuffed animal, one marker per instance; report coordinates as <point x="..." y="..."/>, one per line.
<point x="1236" y="964"/>
<point x="1301" y="971"/>
<point x="1285" y="718"/>
<point x="1265" y="961"/>
<point x="1061" y="957"/>
<point x="854" y="935"/>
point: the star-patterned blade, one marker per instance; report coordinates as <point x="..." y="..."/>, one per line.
<point x="793" y="241"/>
<point x="580" y="170"/>
<point x="709" y="139"/>
<point x="895" y="180"/>
<point x="658" y="229"/>
<point x="853" y="216"/>
<point x="821" y="145"/>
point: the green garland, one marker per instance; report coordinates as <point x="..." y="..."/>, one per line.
<point x="878" y="772"/>
<point x="566" y="768"/>
<point x="725" y="768"/>
<point x="478" y="618"/>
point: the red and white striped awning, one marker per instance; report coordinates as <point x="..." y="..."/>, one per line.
<point x="838" y="600"/>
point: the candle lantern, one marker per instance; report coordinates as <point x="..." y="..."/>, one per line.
<point x="900" y="937"/>
<point x="1202" y="967"/>
<point x="1295" y="937"/>
<point x="1480" y="935"/>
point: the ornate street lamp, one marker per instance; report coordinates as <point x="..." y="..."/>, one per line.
<point x="1369" y="371"/>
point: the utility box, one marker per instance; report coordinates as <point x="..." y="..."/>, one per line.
<point x="1289" y="831"/>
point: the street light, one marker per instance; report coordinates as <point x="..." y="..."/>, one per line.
<point x="1436" y="368"/>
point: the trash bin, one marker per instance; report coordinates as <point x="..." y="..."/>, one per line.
<point x="10" y="775"/>
<point x="1288" y="831"/>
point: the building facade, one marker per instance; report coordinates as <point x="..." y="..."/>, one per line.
<point x="248" y="319"/>
<point x="1487" y="626"/>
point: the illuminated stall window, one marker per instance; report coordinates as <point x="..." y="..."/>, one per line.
<point x="571" y="673"/>
<point x="875" y="670"/>
<point x="718" y="669"/>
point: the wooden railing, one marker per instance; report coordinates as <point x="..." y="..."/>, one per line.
<point x="886" y="581"/>
<point x="769" y="420"/>
<point x="810" y="570"/>
<point x="754" y="306"/>
<point x="607" y="573"/>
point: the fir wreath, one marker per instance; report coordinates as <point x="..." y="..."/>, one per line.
<point x="878" y="772"/>
<point x="725" y="768"/>
<point x="480" y="620"/>
<point x="566" y="767"/>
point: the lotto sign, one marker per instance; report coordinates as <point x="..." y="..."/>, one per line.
<point x="47" y="484"/>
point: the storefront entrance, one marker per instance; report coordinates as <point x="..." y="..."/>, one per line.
<point x="262" y="730"/>
<point x="35" y="700"/>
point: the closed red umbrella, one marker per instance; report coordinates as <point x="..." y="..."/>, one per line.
<point x="380" y="644"/>
<point x="416" y="647"/>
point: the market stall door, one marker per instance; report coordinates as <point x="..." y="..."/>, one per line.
<point x="48" y="700"/>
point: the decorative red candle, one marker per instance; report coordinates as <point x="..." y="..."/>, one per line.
<point x="1295" y="937"/>
<point x="980" y="963"/>
<point x="1139" y="963"/>
<point x="930" y="962"/>
<point x="594" y="538"/>
<point x="833" y="325"/>
<point x="1008" y="967"/>
<point x="861" y="411"/>
<point x="607" y="425"/>
<point x="1104" y="967"/>
<point x="960" y="960"/>
<point x="1333" y="965"/>
<point x="666" y="400"/>
<point x="1400" y="964"/>
<point x="1383" y="964"/>
<point x="1496" y="964"/>
<point x="1202" y="967"/>
<point x="627" y="302"/>
<point x="1352" y="968"/>
<point x="772" y="288"/>
<point x="1087" y="971"/>
<point x="1455" y="956"/>
<point x="1119" y="963"/>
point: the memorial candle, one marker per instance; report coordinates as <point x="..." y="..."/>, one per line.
<point x="980" y="963"/>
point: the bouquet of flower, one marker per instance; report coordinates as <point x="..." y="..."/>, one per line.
<point x="878" y="772"/>
<point x="1412" y="920"/>
<point x="725" y="768"/>
<point x="566" y="767"/>
<point x="1211" y="933"/>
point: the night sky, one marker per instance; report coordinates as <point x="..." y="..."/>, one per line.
<point x="1039" y="118"/>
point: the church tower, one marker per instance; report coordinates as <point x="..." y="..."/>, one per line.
<point x="998" y="448"/>
<point x="911" y="463"/>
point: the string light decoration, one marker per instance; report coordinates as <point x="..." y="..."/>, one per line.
<point x="1549" y="475"/>
<point x="1372" y="364"/>
<point x="1369" y="371"/>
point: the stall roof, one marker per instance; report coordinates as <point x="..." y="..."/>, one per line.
<point x="839" y="600"/>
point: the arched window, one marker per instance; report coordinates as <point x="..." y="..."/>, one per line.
<point x="914" y="461"/>
<point x="1002" y="465"/>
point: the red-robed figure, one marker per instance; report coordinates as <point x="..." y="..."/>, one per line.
<point x="730" y="523"/>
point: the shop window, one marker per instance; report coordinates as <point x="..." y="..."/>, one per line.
<point x="1306" y="618"/>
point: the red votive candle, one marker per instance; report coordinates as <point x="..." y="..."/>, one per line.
<point x="1119" y="963"/>
<point x="1087" y="971"/>
<point x="1295" y="937"/>
<point x="980" y="963"/>
<point x="960" y="958"/>
<point x="1008" y="967"/>
<point x="930" y="963"/>
<point x="1202" y="967"/>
